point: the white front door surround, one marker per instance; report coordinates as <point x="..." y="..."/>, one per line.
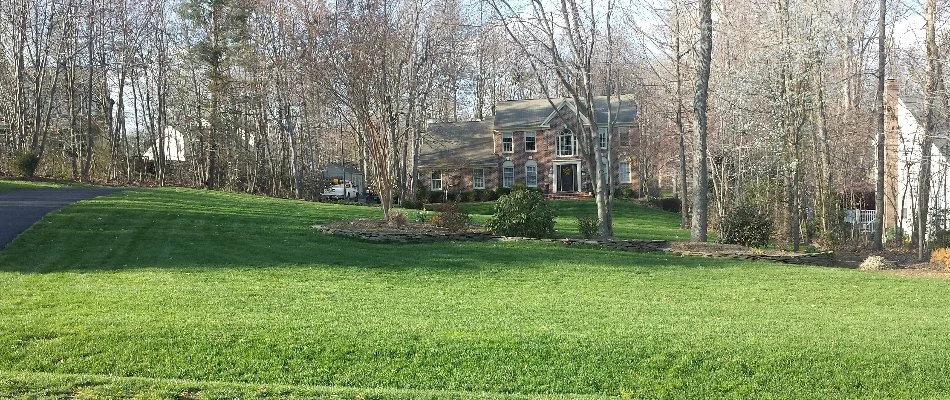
<point x="566" y="176"/>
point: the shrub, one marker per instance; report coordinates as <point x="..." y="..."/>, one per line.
<point x="411" y="204"/>
<point x="422" y="215"/>
<point x="26" y="163"/>
<point x="745" y="225"/>
<point x="398" y="219"/>
<point x="479" y="195"/>
<point x="451" y="218"/>
<point x="587" y="226"/>
<point x="940" y="238"/>
<point x="626" y="193"/>
<point x="435" y="197"/>
<point x="522" y="213"/>
<point x="671" y="204"/>
<point x="940" y="257"/>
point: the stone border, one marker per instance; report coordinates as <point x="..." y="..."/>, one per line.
<point x="407" y="237"/>
<point x="826" y="259"/>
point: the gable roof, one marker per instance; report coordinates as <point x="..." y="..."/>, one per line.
<point x="458" y="144"/>
<point x="513" y="114"/>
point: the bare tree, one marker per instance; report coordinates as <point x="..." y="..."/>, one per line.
<point x="878" y="228"/>
<point x="700" y="204"/>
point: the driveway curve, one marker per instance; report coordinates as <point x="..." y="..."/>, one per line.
<point x="20" y="209"/>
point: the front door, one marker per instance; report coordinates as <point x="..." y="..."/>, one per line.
<point x="567" y="178"/>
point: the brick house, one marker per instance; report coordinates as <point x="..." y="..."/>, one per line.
<point x="527" y="142"/>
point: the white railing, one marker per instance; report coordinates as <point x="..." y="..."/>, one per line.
<point x="863" y="220"/>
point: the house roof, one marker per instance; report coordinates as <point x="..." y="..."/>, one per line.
<point x="515" y="114"/>
<point x="458" y="144"/>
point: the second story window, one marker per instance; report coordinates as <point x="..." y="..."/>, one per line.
<point x="530" y="141"/>
<point x="507" y="143"/>
<point x="566" y="143"/>
<point x="602" y="137"/>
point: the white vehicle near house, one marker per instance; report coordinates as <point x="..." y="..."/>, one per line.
<point x="342" y="190"/>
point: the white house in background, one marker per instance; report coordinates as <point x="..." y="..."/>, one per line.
<point x="174" y="146"/>
<point x="904" y="129"/>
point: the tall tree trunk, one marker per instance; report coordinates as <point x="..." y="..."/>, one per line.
<point x="933" y="77"/>
<point x="878" y="229"/>
<point x="700" y="223"/>
<point x="681" y="130"/>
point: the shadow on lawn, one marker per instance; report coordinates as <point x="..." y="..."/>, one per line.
<point x="190" y="229"/>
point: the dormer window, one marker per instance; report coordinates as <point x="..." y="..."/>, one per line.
<point x="566" y="143"/>
<point x="507" y="142"/>
<point x="602" y="137"/>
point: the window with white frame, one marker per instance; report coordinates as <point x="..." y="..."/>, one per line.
<point x="436" y="180"/>
<point x="625" y="172"/>
<point x="566" y="143"/>
<point x="602" y="137"/>
<point x="530" y="141"/>
<point x="478" y="178"/>
<point x="508" y="174"/>
<point x="531" y="174"/>
<point x="507" y="142"/>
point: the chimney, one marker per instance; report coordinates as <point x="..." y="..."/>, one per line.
<point x="890" y="94"/>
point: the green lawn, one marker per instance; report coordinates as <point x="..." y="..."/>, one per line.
<point x="173" y="293"/>
<point x="7" y="185"/>
<point x="631" y="220"/>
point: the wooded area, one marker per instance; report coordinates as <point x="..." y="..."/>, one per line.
<point x="787" y="97"/>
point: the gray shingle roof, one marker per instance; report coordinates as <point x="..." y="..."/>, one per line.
<point x="458" y="144"/>
<point x="515" y="114"/>
<point x="523" y="113"/>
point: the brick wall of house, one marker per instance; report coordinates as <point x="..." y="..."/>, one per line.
<point x="546" y="156"/>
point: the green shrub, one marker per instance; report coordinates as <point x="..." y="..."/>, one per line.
<point x="479" y="195"/>
<point x="940" y="239"/>
<point x="626" y="193"/>
<point x="465" y="196"/>
<point x="587" y="226"/>
<point x="671" y="204"/>
<point x="435" y="196"/>
<point x="522" y="213"/>
<point x="745" y="225"/>
<point x="26" y="162"/>
<point x="451" y="218"/>
<point x="411" y="204"/>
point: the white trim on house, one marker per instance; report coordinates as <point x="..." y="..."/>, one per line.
<point x="555" y="176"/>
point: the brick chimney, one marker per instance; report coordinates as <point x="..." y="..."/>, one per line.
<point x="892" y="135"/>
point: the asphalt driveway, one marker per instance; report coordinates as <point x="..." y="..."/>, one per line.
<point x="20" y="209"/>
